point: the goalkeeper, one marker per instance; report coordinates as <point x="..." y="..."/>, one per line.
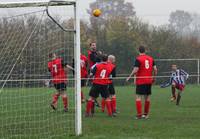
<point x="177" y="81"/>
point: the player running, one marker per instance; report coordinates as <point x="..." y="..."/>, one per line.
<point x="57" y="68"/>
<point x="177" y="81"/>
<point x="84" y="74"/>
<point x="144" y="70"/>
<point x="101" y="73"/>
<point x="111" y="62"/>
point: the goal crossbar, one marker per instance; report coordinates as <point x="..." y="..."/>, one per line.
<point x="35" y="4"/>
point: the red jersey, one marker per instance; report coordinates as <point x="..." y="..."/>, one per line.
<point x="91" y="63"/>
<point x="113" y="67"/>
<point x="84" y="63"/>
<point x="145" y="64"/>
<point x="101" y="73"/>
<point x="57" y="71"/>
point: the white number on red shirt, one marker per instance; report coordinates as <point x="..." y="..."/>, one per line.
<point x="147" y="64"/>
<point x="103" y="74"/>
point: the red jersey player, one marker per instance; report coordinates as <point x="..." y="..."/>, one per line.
<point x="84" y="73"/>
<point x="144" y="69"/>
<point x="93" y="55"/>
<point x="111" y="63"/>
<point x="57" y="68"/>
<point x="101" y="73"/>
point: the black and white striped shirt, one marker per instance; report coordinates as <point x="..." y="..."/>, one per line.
<point x="179" y="76"/>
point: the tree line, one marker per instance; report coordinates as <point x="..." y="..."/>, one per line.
<point x="118" y="31"/>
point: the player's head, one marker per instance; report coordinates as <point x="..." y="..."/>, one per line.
<point x="141" y="49"/>
<point x="174" y="67"/>
<point x="104" y="57"/>
<point x="93" y="46"/>
<point x="52" y="56"/>
<point x="111" y="58"/>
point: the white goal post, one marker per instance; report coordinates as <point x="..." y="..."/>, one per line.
<point x="76" y="31"/>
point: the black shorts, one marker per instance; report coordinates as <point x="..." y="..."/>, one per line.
<point x="111" y="89"/>
<point x="99" y="89"/>
<point x="144" y="89"/>
<point x="60" y="86"/>
<point x="83" y="82"/>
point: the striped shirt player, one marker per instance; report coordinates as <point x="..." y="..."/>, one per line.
<point x="179" y="78"/>
<point x="177" y="81"/>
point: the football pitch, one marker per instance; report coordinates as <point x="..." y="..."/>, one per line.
<point x="166" y="119"/>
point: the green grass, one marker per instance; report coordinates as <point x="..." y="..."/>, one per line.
<point x="26" y="115"/>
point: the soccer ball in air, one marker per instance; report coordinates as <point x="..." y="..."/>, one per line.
<point x="96" y="12"/>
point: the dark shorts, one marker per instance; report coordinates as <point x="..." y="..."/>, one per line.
<point x="111" y="89"/>
<point x="83" y="82"/>
<point x="60" y="86"/>
<point x="99" y="89"/>
<point x="144" y="89"/>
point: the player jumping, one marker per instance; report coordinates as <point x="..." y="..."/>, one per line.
<point x="144" y="69"/>
<point x="57" y="68"/>
<point x="177" y="81"/>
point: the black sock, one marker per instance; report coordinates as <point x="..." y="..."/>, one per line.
<point x="178" y="99"/>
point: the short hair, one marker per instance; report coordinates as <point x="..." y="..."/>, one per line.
<point x="51" y="55"/>
<point x="174" y="65"/>
<point x="111" y="57"/>
<point x="104" y="57"/>
<point x="142" y="49"/>
<point x="92" y="43"/>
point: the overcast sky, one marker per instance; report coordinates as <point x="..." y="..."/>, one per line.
<point x="153" y="11"/>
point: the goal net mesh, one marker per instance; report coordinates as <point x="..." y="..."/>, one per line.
<point x="26" y="40"/>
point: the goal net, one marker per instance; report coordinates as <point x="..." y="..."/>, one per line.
<point x="28" y="34"/>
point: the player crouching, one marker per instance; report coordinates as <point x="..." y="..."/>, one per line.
<point x="101" y="73"/>
<point x="57" y="68"/>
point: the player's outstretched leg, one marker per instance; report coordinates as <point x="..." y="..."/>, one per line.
<point x="173" y="98"/>
<point x="138" y="105"/>
<point x="55" y="100"/>
<point x="96" y="103"/>
<point x="178" y="98"/>
<point x="108" y="106"/>
<point x="103" y="104"/>
<point x="65" y="102"/>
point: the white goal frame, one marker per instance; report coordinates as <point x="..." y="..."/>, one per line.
<point x="75" y="3"/>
